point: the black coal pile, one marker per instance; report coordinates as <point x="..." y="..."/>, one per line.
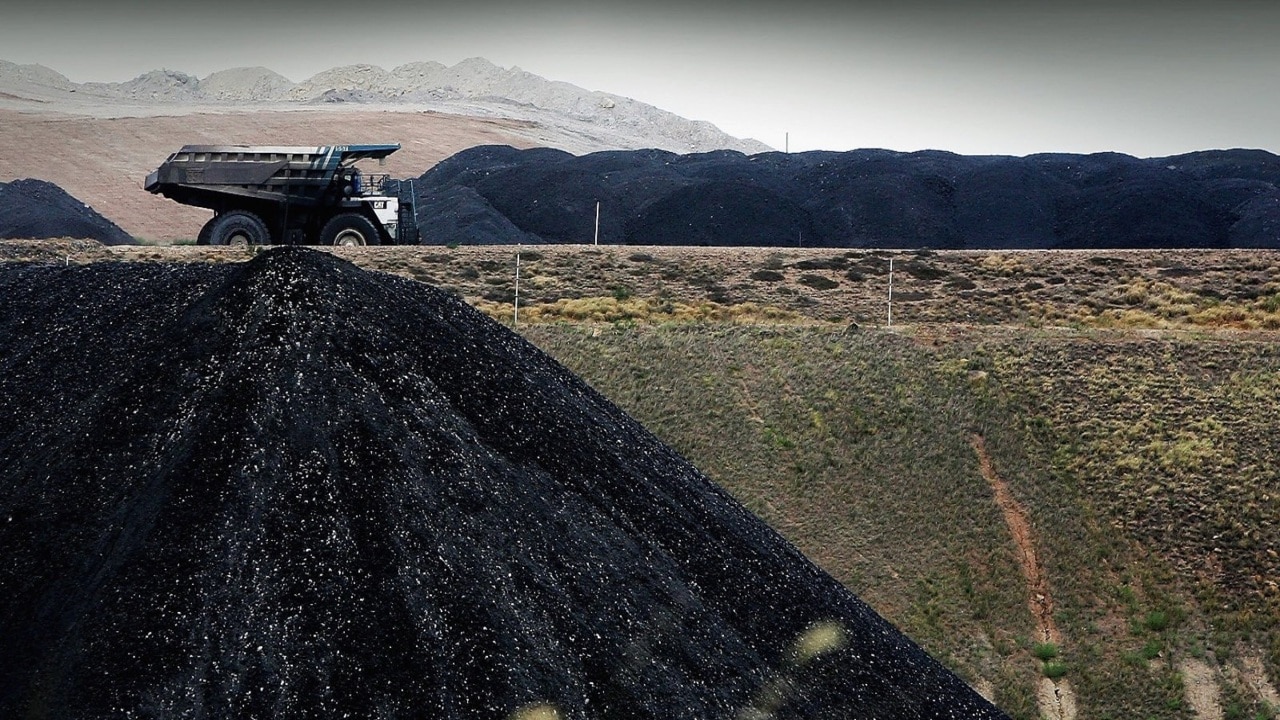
<point x="293" y="488"/>
<point x="36" y="209"/>
<point x="862" y="198"/>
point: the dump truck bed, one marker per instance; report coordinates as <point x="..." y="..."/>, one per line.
<point x="202" y="174"/>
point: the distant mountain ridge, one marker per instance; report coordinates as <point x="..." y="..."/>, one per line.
<point x="471" y="87"/>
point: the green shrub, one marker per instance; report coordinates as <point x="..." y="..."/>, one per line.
<point x="767" y="276"/>
<point x="923" y="271"/>
<point x="1045" y="651"/>
<point x="834" y="263"/>
<point x="1156" y="621"/>
<point x="818" y="282"/>
<point x="1151" y="650"/>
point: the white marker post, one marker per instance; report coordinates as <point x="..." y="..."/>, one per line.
<point x="515" y="315"/>
<point x="890" y="293"/>
<point x="596" y="241"/>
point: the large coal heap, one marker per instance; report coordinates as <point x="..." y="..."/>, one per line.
<point x="860" y="198"/>
<point x="293" y="488"/>
<point x="36" y="209"/>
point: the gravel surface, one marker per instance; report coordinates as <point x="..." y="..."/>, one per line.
<point x="294" y="488"/>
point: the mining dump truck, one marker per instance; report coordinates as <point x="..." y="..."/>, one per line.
<point x="262" y="195"/>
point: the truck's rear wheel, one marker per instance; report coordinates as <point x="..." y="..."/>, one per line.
<point x="238" y="228"/>
<point x="349" y="229"/>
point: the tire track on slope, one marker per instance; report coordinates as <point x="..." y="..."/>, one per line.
<point x="1055" y="697"/>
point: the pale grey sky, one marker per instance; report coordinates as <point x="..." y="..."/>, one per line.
<point x="992" y="76"/>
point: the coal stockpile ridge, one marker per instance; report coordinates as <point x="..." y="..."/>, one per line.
<point x="861" y="198"/>
<point x="293" y="488"/>
<point x="36" y="209"/>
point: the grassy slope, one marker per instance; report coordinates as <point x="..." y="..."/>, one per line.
<point x="856" y="446"/>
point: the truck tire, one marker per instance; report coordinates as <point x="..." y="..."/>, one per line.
<point x="238" y="227"/>
<point x="205" y="231"/>
<point x="350" y="229"/>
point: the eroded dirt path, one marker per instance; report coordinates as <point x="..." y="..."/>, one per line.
<point x="1201" y="684"/>
<point x="1055" y="697"/>
<point x="1251" y="673"/>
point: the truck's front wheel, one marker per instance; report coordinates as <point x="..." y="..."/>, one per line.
<point x="238" y="228"/>
<point x="349" y="229"/>
<point x="205" y="231"/>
